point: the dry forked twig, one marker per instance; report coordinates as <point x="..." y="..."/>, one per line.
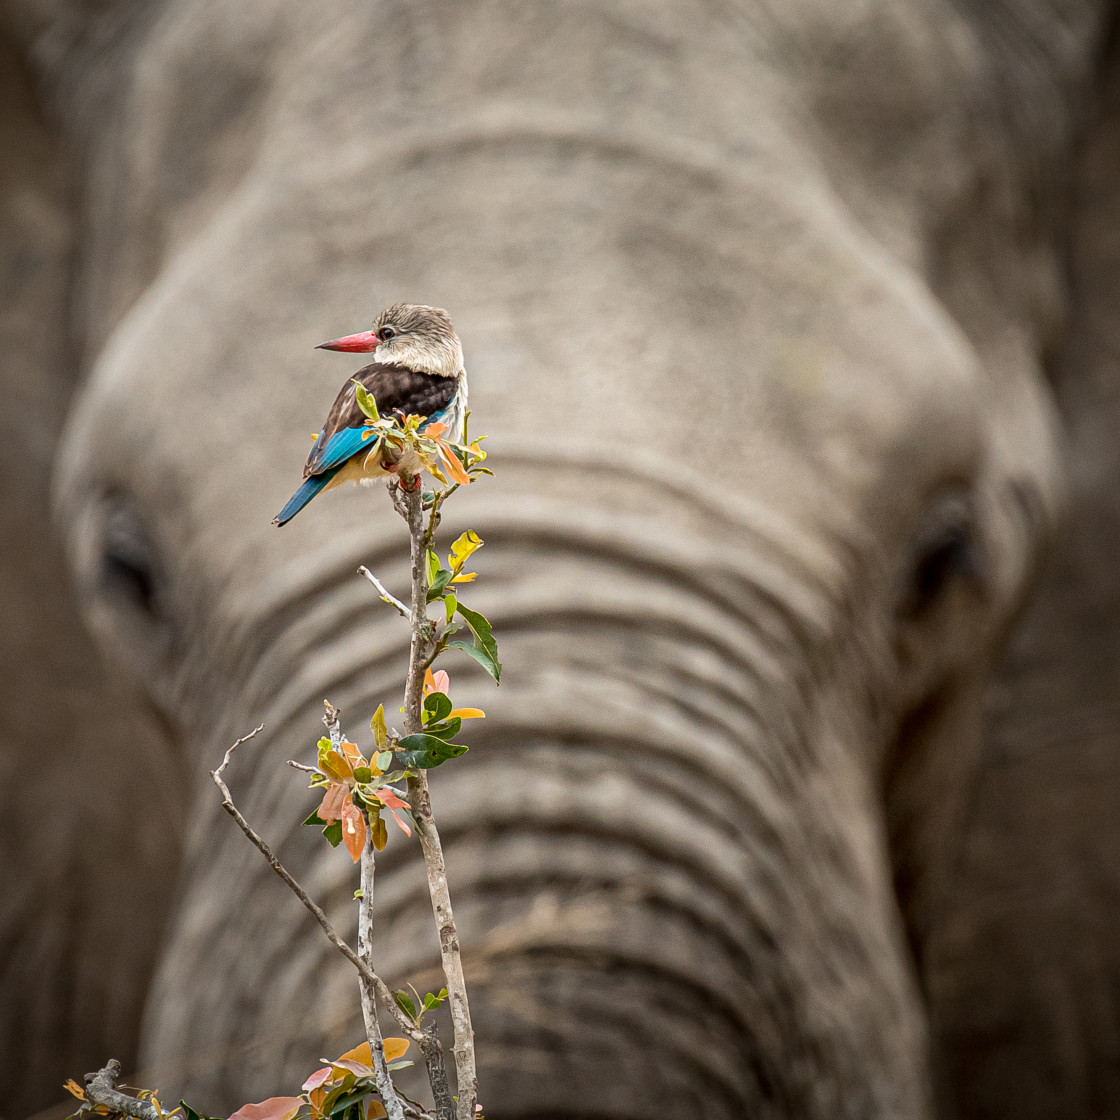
<point x="101" y="1088"/>
<point x="386" y="595"/>
<point x="379" y="985"/>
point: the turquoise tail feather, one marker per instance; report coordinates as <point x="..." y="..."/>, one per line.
<point x="303" y="495"/>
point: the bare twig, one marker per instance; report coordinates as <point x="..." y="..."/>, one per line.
<point x="386" y="595"/>
<point x="393" y="1105"/>
<point x="101" y="1088"/>
<point x="408" y="501"/>
<point x="367" y="973"/>
<point x="305" y="769"/>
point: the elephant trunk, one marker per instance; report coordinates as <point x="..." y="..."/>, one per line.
<point x="667" y="869"/>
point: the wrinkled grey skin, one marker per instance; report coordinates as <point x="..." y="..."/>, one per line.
<point x="771" y="314"/>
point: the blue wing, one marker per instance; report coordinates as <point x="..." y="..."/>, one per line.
<point x="335" y="451"/>
<point x="303" y="495"/>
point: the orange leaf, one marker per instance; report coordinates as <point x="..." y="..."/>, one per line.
<point x="390" y="800"/>
<point x="360" y="1053"/>
<point x="464" y="713"/>
<point x="359" y="1060"/>
<point x="316" y="1079"/>
<point x="352" y="753"/>
<point x="403" y="827"/>
<point x="275" y="1108"/>
<point x="435" y="431"/>
<point x="353" y="828"/>
<point x="395" y="1048"/>
<point x="73" y="1087"/>
<point x="333" y="799"/>
<point x="454" y="467"/>
<point x="375" y="1110"/>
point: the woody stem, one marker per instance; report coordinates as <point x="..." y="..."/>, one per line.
<point x="410" y="505"/>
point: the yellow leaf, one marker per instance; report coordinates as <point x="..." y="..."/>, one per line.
<point x="431" y="466"/>
<point x="464" y="577"/>
<point x="73" y="1087"/>
<point x="377" y="726"/>
<point x="467" y="713"/>
<point x="462" y="550"/>
<point x="335" y="765"/>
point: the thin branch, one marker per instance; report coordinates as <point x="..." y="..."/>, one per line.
<point x="305" y="769"/>
<point x="437" y="1073"/>
<point x="408" y="501"/>
<point x="101" y="1088"/>
<point x="393" y="1105"/>
<point x="367" y="973"/>
<point x="385" y="594"/>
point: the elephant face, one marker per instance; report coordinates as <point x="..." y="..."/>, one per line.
<point x="764" y="505"/>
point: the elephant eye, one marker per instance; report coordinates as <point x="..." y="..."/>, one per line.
<point x="386" y="333"/>
<point x="128" y="566"/>
<point x="945" y="550"/>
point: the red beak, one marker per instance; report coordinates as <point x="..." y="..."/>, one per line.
<point x="361" y="343"/>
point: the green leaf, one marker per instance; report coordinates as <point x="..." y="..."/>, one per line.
<point x="449" y="604"/>
<point x="437" y="707"/>
<point x="402" y="1064"/>
<point x="431" y="1001"/>
<point x="384" y="760"/>
<point x="422" y="752"/>
<point x="190" y="1114"/>
<point x="438" y="584"/>
<point x="462" y="549"/>
<point x="380" y="731"/>
<point x="365" y="400"/>
<point x="484" y="641"/>
<point x="433" y="566"/>
<point x="481" y="656"/>
<point x="445" y="730"/>
<point x="332" y="831"/>
<point x="404" y="1002"/>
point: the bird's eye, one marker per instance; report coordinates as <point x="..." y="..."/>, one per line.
<point x="386" y="333"/>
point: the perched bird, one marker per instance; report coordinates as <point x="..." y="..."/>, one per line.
<point x="418" y="371"/>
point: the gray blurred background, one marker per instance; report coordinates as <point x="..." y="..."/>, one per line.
<point x="794" y="329"/>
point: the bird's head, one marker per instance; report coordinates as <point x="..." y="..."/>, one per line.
<point x="411" y="335"/>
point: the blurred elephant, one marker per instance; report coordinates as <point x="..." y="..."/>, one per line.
<point x="765" y="308"/>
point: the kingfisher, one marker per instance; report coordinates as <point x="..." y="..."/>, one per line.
<point x="418" y="371"/>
